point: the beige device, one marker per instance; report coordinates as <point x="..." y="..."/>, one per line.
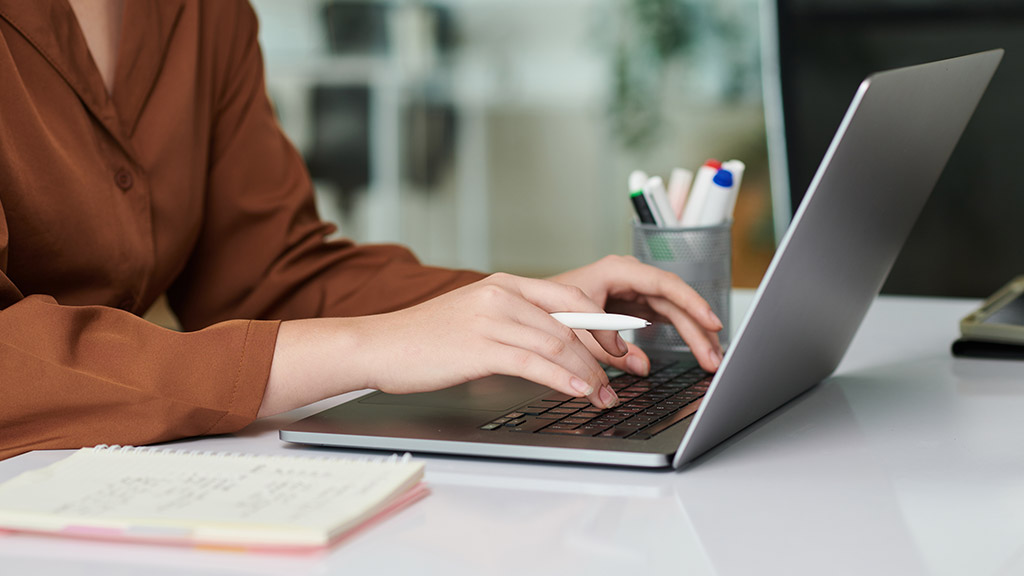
<point x="1000" y="318"/>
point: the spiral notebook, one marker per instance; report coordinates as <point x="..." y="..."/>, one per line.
<point x="276" y="503"/>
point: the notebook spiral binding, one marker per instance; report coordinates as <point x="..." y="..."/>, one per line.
<point x="114" y="448"/>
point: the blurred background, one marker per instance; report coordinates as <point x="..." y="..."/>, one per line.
<point x="498" y="134"/>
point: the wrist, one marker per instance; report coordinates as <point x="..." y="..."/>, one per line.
<point x="315" y="359"/>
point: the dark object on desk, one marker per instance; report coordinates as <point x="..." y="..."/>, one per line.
<point x="996" y="328"/>
<point x="967" y="348"/>
<point x="1000" y="318"/>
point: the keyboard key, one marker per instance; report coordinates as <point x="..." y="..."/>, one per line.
<point x="530" y="426"/>
<point x="650" y="405"/>
<point x="576" y="421"/>
<point x="490" y="426"/>
<point x="573" y="432"/>
<point x="617" y="432"/>
<point x="665" y="424"/>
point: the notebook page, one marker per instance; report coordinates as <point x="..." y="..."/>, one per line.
<point x="215" y="496"/>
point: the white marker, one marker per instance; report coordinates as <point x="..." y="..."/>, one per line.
<point x="637" y="180"/>
<point x="656" y="197"/>
<point x="642" y="213"/>
<point x="588" y="321"/>
<point x="699" y="193"/>
<point x="719" y="195"/>
<point x="737" y="168"/>
<point x="678" y="188"/>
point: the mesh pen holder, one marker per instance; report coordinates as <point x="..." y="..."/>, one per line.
<point x="702" y="257"/>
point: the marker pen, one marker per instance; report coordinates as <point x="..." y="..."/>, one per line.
<point x="658" y="201"/>
<point x="644" y="213"/>
<point x="643" y="210"/>
<point x="637" y="180"/>
<point x="737" y="168"/>
<point x="678" y="188"/>
<point x="699" y="193"/>
<point x="719" y="194"/>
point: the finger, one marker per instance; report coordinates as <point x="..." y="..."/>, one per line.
<point x="634" y="361"/>
<point x="703" y="344"/>
<point x="524" y="363"/>
<point x="555" y="297"/>
<point x="563" y="349"/>
<point x="630" y="275"/>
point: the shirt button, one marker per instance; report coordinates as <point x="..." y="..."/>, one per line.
<point x="124" y="180"/>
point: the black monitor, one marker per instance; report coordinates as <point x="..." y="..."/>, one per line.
<point x="969" y="239"/>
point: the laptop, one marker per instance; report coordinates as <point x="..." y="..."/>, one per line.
<point x="879" y="170"/>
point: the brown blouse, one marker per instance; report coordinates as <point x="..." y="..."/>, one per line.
<point x="179" y="182"/>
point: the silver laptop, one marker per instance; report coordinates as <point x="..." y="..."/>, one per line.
<point x="879" y="170"/>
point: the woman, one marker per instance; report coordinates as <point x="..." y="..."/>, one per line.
<point x="139" y="156"/>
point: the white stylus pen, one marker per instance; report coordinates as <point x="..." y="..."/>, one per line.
<point x="588" y="321"/>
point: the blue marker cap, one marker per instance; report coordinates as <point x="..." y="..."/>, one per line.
<point x="723" y="178"/>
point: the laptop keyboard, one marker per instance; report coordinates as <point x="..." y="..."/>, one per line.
<point x="647" y="405"/>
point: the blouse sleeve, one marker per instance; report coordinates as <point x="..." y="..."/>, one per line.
<point x="263" y="252"/>
<point x="73" y="376"/>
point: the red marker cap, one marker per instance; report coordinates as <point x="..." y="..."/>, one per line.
<point x="713" y="164"/>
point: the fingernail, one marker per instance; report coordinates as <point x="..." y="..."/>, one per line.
<point x="716" y="358"/>
<point x="715" y="320"/>
<point x="620" y="344"/>
<point x="608" y="397"/>
<point x="637" y="365"/>
<point x="580" y="386"/>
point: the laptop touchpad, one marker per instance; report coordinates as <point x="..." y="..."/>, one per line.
<point x="497" y="393"/>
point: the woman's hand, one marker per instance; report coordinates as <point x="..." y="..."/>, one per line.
<point x="623" y="284"/>
<point x="499" y="325"/>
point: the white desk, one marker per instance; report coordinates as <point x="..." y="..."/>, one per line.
<point x="908" y="461"/>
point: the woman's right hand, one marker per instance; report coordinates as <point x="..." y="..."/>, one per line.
<point x="499" y="325"/>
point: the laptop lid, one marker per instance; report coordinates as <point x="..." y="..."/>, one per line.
<point x="879" y="170"/>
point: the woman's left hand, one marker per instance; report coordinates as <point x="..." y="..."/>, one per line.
<point x="624" y="285"/>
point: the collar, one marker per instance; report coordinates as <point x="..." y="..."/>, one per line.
<point x="146" y="30"/>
